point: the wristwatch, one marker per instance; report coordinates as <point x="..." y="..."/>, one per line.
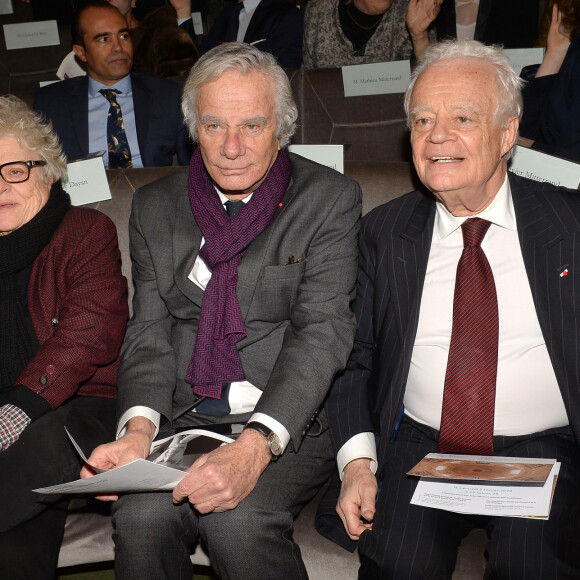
<point x="274" y="443"/>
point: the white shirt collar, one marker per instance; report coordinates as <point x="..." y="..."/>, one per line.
<point x="123" y="85"/>
<point x="224" y="198"/>
<point x="499" y="212"/>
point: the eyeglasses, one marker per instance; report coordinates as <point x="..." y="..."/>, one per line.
<point x="19" y="171"/>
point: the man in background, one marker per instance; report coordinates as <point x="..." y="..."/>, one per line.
<point x="135" y="118"/>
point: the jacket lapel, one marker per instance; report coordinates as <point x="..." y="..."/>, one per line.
<point x="186" y="242"/>
<point x="78" y="105"/>
<point x="256" y="28"/>
<point x="251" y="266"/>
<point x="142" y="105"/>
<point x="410" y="265"/>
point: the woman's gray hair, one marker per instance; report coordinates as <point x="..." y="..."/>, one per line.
<point x="508" y="88"/>
<point x="19" y="121"/>
<point x="245" y="59"/>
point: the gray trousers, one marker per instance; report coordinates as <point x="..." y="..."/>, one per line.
<point x="154" y="538"/>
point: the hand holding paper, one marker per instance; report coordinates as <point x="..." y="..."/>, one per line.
<point x="135" y="444"/>
<point x="220" y="480"/>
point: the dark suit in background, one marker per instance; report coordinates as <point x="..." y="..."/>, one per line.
<point x="276" y="27"/>
<point x="511" y="23"/>
<point x="161" y="133"/>
<point x="395" y="245"/>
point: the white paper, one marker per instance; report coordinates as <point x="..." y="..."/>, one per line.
<point x="329" y="155"/>
<point x="376" y="79"/>
<point x="87" y="181"/>
<point x="197" y="23"/>
<point x="6" y="7"/>
<point x="543" y="167"/>
<point x="31" y="34"/>
<point x="162" y="470"/>
<point x="490" y="500"/>
<point x="521" y="57"/>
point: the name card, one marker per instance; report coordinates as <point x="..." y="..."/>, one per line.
<point x="31" y="34"/>
<point x="330" y="155"/>
<point x="521" y="57"/>
<point x="46" y="83"/>
<point x="197" y="23"/>
<point x="87" y="181"/>
<point x="543" y="167"/>
<point x="6" y="7"/>
<point x="380" y="78"/>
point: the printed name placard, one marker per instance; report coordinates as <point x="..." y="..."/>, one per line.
<point x="197" y="23"/>
<point x="330" y="155"/>
<point x="6" y="7"/>
<point x="46" y="83"/>
<point x="31" y="34"/>
<point x="521" y="57"/>
<point x="380" y="78"/>
<point x="87" y="181"/>
<point x="543" y="167"/>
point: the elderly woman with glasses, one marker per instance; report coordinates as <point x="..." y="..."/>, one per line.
<point x="63" y="310"/>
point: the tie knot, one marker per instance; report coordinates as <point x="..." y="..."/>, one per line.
<point x="110" y="94"/>
<point x="474" y="230"/>
<point x="233" y="207"/>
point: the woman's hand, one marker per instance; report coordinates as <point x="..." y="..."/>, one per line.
<point x="420" y="15"/>
<point x="557" y="45"/>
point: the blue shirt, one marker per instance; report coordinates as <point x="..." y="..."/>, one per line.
<point x="98" y="111"/>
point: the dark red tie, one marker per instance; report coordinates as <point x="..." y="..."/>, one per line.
<point x="469" y="395"/>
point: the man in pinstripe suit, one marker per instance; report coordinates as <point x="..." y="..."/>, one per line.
<point x="463" y="106"/>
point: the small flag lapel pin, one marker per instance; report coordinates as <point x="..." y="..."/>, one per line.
<point x="564" y="272"/>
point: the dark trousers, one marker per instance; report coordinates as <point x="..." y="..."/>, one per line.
<point x="412" y="542"/>
<point x="154" y="538"/>
<point x="32" y="524"/>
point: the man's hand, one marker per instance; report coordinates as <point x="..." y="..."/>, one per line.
<point x="557" y="45"/>
<point x="420" y="15"/>
<point x="356" y="504"/>
<point x="135" y="444"/>
<point x="13" y="421"/>
<point x="220" y="480"/>
<point x="182" y="7"/>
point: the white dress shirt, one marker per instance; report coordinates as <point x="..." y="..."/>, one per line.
<point x="242" y="396"/>
<point x="528" y="398"/>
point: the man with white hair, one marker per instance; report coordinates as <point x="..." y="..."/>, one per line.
<point x="468" y="334"/>
<point x="244" y="270"/>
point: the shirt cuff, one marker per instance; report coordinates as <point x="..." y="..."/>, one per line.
<point x="180" y="21"/>
<point x="278" y="428"/>
<point x="138" y="411"/>
<point x="357" y="447"/>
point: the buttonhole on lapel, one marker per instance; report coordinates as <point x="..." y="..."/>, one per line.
<point x="401" y="259"/>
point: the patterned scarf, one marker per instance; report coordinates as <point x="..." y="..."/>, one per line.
<point x="215" y="359"/>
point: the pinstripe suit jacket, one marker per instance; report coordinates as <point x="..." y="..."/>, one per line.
<point x="394" y="250"/>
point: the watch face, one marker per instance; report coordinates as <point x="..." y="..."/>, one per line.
<point x="275" y="445"/>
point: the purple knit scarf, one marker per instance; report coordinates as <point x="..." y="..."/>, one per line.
<point x="215" y="359"/>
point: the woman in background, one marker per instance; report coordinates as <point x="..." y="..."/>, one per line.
<point x="552" y="94"/>
<point x="345" y="32"/>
